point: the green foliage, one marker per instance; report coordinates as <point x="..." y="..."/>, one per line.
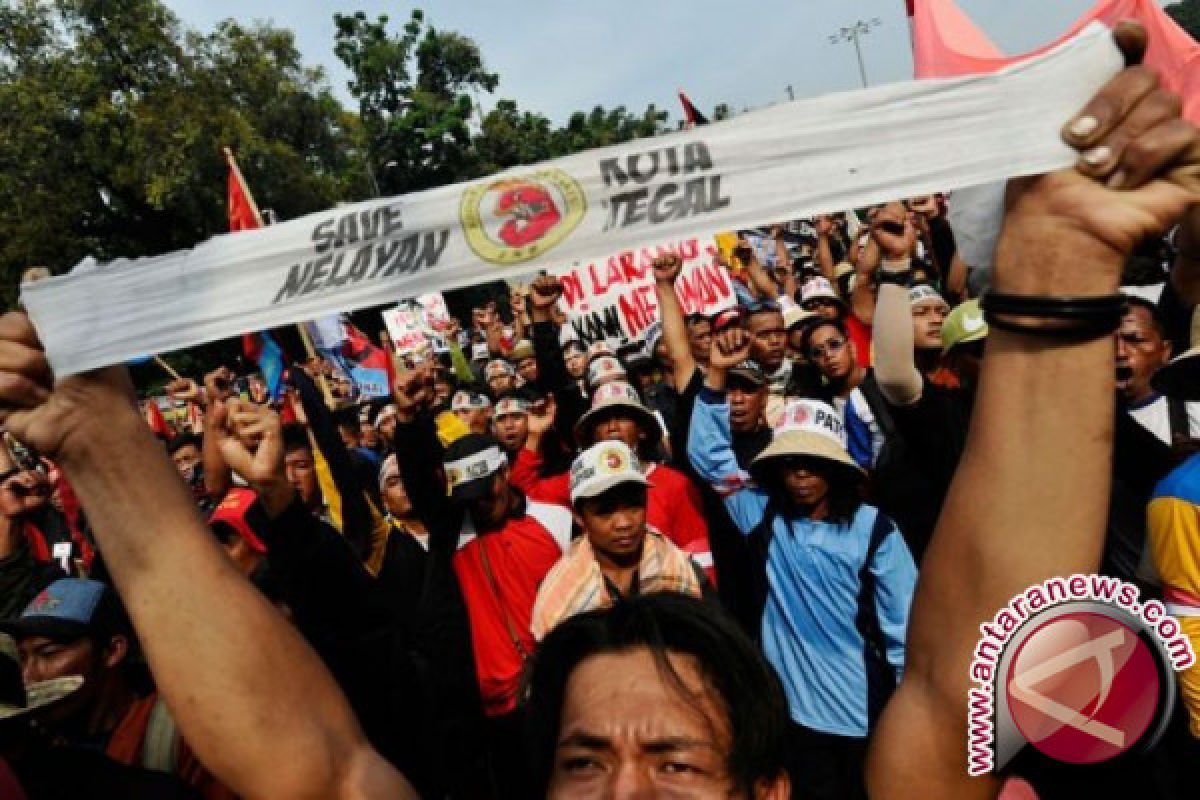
<point x="113" y="116"/>
<point x="413" y="93"/>
<point x="112" y="121"/>
<point x="1187" y="14"/>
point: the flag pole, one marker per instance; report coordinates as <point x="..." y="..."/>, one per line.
<point x="311" y="351"/>
<point x="170" y="370"/>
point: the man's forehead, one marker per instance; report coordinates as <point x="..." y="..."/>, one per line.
<point x="31" y="643"/>
<point x="630" y="695"/>
<point x="765" y="319"/>
<point x="1137" y="316"/>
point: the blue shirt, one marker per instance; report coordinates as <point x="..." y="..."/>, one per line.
<point x="808" y="627"/>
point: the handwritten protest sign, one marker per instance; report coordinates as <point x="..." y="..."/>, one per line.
<point x="406" y="329"/>
<point x="614" y="298"/>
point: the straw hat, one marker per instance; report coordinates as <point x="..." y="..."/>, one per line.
<point x="812" y="429"/>
<point x="617" y="395"/>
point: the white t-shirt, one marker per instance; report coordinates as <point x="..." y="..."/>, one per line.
<point x="1155" y="417"/>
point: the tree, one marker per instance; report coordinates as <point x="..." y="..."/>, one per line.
<point x="1187" y="14"/>
<point x="413" y="93"/>
<point x="112" y="124"/>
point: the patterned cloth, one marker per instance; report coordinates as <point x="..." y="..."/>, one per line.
<point x="576" y="585"/>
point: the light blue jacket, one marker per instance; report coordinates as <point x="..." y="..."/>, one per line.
<point x="809" y="630"/>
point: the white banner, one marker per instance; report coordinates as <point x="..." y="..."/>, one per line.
<point x="792" y="160"/>
<point x="613" y="299"/>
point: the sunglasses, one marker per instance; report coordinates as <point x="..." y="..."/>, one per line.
<point x="829" y="348"/>
<point x="817" y="304"/>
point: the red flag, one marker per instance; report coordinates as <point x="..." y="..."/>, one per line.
<point x="690" y="113"/>
<point x="155" y="418"/>
<point x="243" y="212"/>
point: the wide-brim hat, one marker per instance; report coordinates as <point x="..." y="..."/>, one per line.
<point x="617" y="398"/>
<point x="809" y="445"/>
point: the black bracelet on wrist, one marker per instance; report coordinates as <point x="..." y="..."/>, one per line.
<point x="902" y="279"/>
<point x="1057" y="317"/>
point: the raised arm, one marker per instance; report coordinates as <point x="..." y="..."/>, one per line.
<point x="1030" y="498"/>
<point x="710" y="441"/>
<point x="246" y="691"/>
<point x="892" y="340"/>
<point x="683" y="364"/>
<point x="762" y="284"/>
<point x="824" y="226"/>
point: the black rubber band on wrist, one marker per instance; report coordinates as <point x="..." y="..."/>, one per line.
<point x="903" y="279"/>
<point x="1087" y="317"/>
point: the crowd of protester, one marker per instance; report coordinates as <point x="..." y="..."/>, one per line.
<point x="682" y="568"/>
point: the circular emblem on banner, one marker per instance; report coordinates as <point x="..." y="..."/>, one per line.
<point x="516" y="219"/>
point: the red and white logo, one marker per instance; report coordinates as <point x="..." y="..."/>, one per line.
<point x="1083" y="688"/>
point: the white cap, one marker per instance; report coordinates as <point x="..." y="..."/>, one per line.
<point x="816" y="288"/>
<point x="466" y="401"/>
<point x="603" y="466"/>
<point x="604" y="368"/>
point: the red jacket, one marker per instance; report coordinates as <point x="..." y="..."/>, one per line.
<point x="519" y="556"/>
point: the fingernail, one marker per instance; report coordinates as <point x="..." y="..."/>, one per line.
<point x="1117" y="179"/>
<point x="1084" y="126"/>
<point x="1097" y="156"/>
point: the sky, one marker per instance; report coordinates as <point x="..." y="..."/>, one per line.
<point x="560" y="56"/>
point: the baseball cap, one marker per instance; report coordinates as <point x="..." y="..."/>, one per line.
<point x="604" y="368"/>
<point x="921" y="292"/>
<point x="69" y="609"/>
<point x="466" y="400"/>
<point x="808" y="428"/>
<point x="748" y="372"/>
<point x="521" y="351"/>
<point x="617" y="395"/>
<point x="18" y="701"/>
<point x="603" y="466"/>
<point x="511" y="404"/>
<point x="818" y="288"/>
<point x="239" y="510"/>
<point x="963" y="324"/>
<point x="470" y="462"/>
<point x="497" y="368"/>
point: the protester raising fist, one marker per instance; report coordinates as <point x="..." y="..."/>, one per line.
<point x="250" y="438"/>
<point x="667" y="267"/>
<point x="730" y="348"/>
<point x="894" y="232"/>
<point x="543" y="294"/>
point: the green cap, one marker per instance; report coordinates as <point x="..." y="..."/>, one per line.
<point x="964" y="324"/>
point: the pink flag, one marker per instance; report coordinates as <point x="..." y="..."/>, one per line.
<point x="947" y="44"/>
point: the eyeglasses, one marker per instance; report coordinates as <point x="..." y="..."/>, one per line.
<point x="829" y="348"/>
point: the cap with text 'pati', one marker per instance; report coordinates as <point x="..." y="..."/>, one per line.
<point x="808" y="428"/>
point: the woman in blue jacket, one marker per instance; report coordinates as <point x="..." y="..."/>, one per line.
<point x="838" y="576"/>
